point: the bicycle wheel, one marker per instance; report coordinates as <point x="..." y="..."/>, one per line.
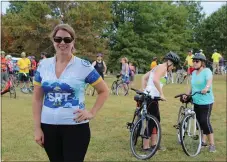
<point x="140" y="132"/>
<point x="122" y="89"/>
<point x="113" y="88"/>
<point x="179" y="119"/>
<point x="12" y="92"/>
<point x="191" y="135"/>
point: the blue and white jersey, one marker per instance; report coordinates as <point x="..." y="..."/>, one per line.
<point x="64" y="95"/>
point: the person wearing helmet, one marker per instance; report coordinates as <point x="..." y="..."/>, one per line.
<point x="100" y="65"/>
<point x="153" y="82"/>
<point x="24" y="66"/>
<point x="188" y="62"/>
<point x="4" y="73"/>
<point x="216" y="58"/>
<point x="201" y="52"/>
<point x="202" y="81"/>
<point x="9" y="63"/>
<point x="154" y="62"/>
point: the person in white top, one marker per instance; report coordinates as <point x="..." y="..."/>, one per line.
<point x="60" y="115"/>
<point x="153" y="82"/>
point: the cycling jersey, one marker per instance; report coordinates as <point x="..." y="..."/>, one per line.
<point x="24" y="63"/>
<point x="63" y="95"/>
<point x="150" y="84"/>
<point x="189" y="60"/>
<point x="3" y="64"/>
<point x="216" y="57"/>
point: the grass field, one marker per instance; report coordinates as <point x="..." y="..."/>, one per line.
<point x="110" y="138"/>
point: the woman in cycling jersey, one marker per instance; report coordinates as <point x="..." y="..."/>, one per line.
<point x="153" y="82"/>
<point x="60" y="118"/>
<point x="125" y="70"/>
<point x="202" y="81"/>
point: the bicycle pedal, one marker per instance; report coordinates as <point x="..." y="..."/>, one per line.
<point x="176" y="126"/>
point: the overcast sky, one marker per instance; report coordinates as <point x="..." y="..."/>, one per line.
<point x="208" y="7"/>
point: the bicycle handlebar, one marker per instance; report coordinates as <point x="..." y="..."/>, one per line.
<point x="144" y="94"/>
<point x="199" y="92"/>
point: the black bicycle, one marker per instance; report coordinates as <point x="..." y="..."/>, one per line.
<point x="119" y="87"/>
<point x="189" y="133"/>
<point x="142" y="126"/>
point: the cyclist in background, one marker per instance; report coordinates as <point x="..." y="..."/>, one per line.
<point x="4" y="73"/>
<point x="153" y="82"/>
<point x="188" y="62"/>
<point x="154" y="63"/>
<point x="202" y="81"/>
<point x="216" y="58"/>
<point x="132" y="74"/>
<point x="100" y="65"/>
<point x="43" y="56"/>
<point x="9" y="63"/>
<point x="222" y="65"/>
<point x="201" y="52"/>
<point x="125" y="70"/>
<point x="24" y="66"/>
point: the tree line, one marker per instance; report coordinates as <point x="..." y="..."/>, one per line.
<point x="137" y="30"/>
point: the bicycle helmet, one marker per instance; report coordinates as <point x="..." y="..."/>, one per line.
<point x="8" y="56"/>
<point x="215" y="50"/>
<point x="99" y="55"/>
<point x="190" y="50"/>
<point x="172" y="57"/>
<point x="199" y="56"/>
<point x="3" y="53"/>
<point x="200" y="50"/>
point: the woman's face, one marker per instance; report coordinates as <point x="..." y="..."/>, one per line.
<point x="170" y="68"/>
<point x="122" y="60"/>
<point x="196" y="63"/>
<point x="63" y="42"/>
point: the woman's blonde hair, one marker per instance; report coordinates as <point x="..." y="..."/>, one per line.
<point x="126" y="60"/>
<point x="65" y="27"/>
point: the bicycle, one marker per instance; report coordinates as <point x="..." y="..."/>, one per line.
<point x="119" y="87"/>
<point x="139" y="127"/>
<point x="189" y="133"/>
<point x="9" y="87"/>
<point x="181" y="75"/>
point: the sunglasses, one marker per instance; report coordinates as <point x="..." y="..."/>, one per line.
<point x="196" y="61"/>
<point x="65" y="39"/>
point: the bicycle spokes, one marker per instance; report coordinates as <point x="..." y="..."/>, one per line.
<point x="190" y="135"/>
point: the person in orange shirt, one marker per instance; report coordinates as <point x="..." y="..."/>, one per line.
<point x="4" y="73"/>
<point x="153" y="63"/>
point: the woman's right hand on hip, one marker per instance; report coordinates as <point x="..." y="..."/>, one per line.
<point x="39" y="137"/>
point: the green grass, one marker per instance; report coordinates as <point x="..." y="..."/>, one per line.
<point x="110" y="138"/>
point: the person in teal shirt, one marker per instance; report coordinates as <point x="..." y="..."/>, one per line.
<point x="202" y="81"/>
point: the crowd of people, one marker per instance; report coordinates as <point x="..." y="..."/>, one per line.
<point x="59" y="111"/>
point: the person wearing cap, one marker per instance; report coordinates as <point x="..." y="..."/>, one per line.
<point x="100" y="65"/>
<point x="153" y="63"/>
<point x="216" y="58"/>
<point x="24" y="66"/>
<point x="4" y="73"/>
<point x="152" y="82"/>
<point x="202" y="81"/>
